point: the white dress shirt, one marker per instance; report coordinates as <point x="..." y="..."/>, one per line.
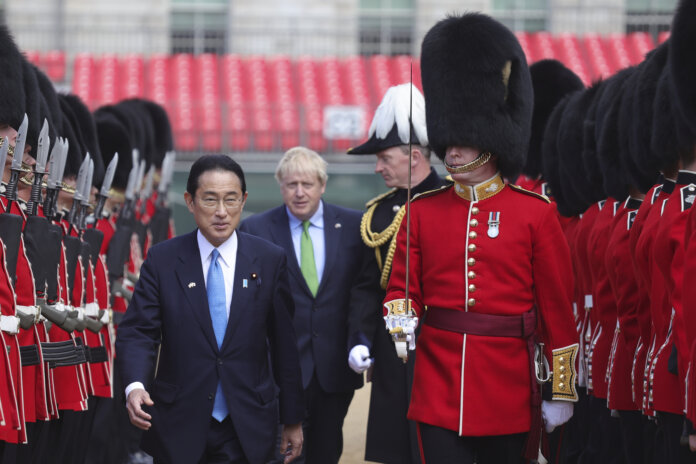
<point x="316" y="233"/>
<point x="227" y="260"/>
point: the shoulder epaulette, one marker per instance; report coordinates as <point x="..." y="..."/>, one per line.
<point x="380" y="197"/>
<point x="430" y="193"/>
<point x="531" y="194"/>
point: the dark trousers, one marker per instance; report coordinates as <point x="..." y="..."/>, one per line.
<point x="222" y="445"/>
<point x="442" y="446"/>
<point x="322" y="427"/>
<point x="604" y="444"/>
<point x="671" y="451"/>
<point x="632" y="425"/>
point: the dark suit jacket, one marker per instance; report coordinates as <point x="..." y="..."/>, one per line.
<point x="170" y="308"/>
<point x="330" y="324"/>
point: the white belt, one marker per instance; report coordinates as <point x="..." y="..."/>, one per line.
<point x="9" y="324"/>
<point x="92" y="309"/>
<point x="106" y="317"/>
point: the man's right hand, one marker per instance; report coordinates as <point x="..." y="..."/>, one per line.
<point x="359" y="358"/>
<point x="134" y="402"/>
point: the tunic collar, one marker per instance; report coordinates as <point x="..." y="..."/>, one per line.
<point x="479" y="192"/>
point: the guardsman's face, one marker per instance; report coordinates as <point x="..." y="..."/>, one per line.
<point x="302" y="193"/>
<point x="459" y="156"/>
<point x="392" y="165"/>
<point x="217" y="205"/>
<point x="11" y="134"/>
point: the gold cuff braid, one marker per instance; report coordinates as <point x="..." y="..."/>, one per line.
<point x="564" y="374"/>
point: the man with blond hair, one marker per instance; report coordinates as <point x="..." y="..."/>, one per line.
<point x="332" y="279"/>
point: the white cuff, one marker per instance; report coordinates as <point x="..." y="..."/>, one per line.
<point x="132" y="386"/>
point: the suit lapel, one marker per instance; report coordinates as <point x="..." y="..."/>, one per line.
<point x="332" y="237"/>
<point x="190" y="274"/>
<point x="281" y="237"/>
<point x="241" y="295"/>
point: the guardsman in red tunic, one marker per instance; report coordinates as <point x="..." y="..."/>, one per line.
<point x="489" y="269"/>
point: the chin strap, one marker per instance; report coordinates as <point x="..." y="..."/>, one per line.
<point x="480" y="160"/>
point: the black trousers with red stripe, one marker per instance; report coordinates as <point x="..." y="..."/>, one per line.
<point x="441" y="446"/>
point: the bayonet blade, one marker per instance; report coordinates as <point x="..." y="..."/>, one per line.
<point x="63" y="158"/>
<point x="130" y="187"/>
<point x="109" y="176"/>
<point x="42" y="149"/>
<point x="20" y="141"/>
<point x="87" y="186"/>
<point x="53" y="179"/>
<point x="81" y="177"/>
<point x="147" y="190"/>
<point x="139" y="178"/>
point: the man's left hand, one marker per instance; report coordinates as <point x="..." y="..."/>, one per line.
<point x="556" y="413"/>
<point x="291" y="442"/>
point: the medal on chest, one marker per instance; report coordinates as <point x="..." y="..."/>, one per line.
<point x="493" y="224"/>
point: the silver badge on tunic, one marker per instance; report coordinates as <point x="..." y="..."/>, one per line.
<point x="493" y="224"/>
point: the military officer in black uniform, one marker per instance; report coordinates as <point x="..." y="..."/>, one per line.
<point x="391" y="378"/>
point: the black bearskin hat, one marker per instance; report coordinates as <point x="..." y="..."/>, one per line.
<point x="12" y="98"/>
<point x="635" y="173"/>
<point x="682" y="64"/>
<point x="71" y="133"/>
<point x="477" y="88"/>
<point x="114" y="138"/>
<point x="644" y="95"/>
<point x="87" y="134"/>
<point x="608" y="140"/>
<point x="670" y="134"/>
<point x="551" y="81"/>
<point x="578" y="192"/>
<point x="550" y="167"/>
<point x="164" y="138"/>
<point x="49" y="110"/>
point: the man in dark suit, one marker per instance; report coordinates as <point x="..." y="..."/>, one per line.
<point x="213" y="393"/>
<point x="333" y="282"/>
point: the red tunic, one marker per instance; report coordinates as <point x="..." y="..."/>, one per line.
<point x="479" y="385"/>
<point x="668" y="388"/>
<point x="603" y="314"/>
<point x="689" y="312"/>
<point x="584" y="273"/>
<point x="654" y="195"/>
<point x="622" y="278"/>
<point x="11" y="397"/>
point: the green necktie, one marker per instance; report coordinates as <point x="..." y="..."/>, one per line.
<point x="307" y="264"/>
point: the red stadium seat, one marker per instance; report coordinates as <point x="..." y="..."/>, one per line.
<point x="53" y="63"/>
<point x="83" y="71"/>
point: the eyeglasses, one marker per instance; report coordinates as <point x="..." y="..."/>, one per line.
<point x="228" y="203"/>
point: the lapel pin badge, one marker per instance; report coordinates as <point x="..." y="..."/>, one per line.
<point x="245" y="283"/>
<point x="493" y="224"/>
<point x="191" y="284"/>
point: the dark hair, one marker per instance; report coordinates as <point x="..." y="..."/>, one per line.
<point x="213" y="163"/>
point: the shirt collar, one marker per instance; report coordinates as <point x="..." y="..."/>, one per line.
<point x="485" y="189"/>
<point x="228" y="249"/>
<point x="317" y="219"/>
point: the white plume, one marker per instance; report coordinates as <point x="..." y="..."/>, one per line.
<point x="394" y="109"/>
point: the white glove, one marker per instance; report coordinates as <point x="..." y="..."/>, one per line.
<point x="359" y="358"/>
<point x="555" y="413"/>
